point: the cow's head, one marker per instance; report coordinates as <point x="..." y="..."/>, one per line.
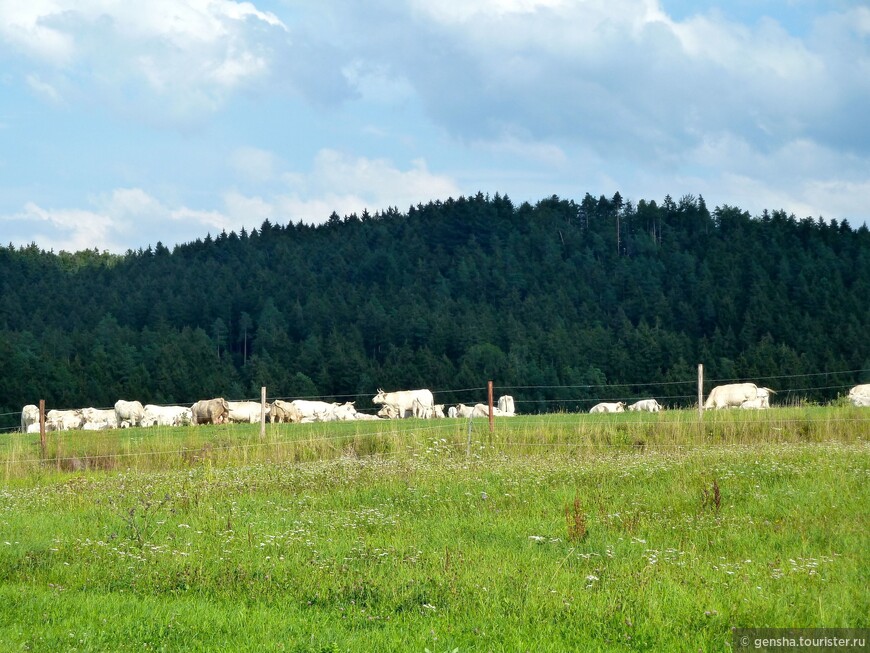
<point x="380" y="397"/>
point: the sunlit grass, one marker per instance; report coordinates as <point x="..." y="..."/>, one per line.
<point x="402" y="536"/>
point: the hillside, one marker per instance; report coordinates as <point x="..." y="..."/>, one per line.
<point x="446" y="295"/>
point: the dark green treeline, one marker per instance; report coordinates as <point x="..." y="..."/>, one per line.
<point x="446" y="296"/>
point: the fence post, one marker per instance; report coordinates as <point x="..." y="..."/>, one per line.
<point x="42" y="427"/>
<point x="263" y="412"/>
<point x="700" y="391"/>
<point x="489" y="394"/>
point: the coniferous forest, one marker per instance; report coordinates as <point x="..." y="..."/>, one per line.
<point x="551" y="301"/>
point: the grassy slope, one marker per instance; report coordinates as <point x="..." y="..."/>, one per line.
<point x="426" y="548"/>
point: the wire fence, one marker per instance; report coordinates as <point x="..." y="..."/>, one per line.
<point x="577" y="398"/>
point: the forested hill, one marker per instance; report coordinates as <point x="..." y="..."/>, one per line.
<point x="446" y="296"/>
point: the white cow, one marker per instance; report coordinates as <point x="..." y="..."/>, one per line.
<point x="758" y="403"/>
<point x="245" y="412"/>
<point x="478" y="410"/>
<point x="608" y="407"/>
<point x="34" y="428"/>
<point x="646" y="405"/>
<point x="764" y="395"/>
<point x="166" y="415"/>
<point x="388" y="412"/>
<point x="420" y="410"/>
<point x="315" y="411"/>
<point x="63" y="420"/>
<point x="344" y="412"/>
<point x="130" y="411"/>
<point x="859" y="395"/>
<point x="283" y="411"/>
<point x="452" y="412"/>
<point x="98" y="419"/>
<point x="731" y="395"/>
<point x="506" y="405"/>
<point x="29" y="415"/>
<point x="403" y="400"/>
<point x="438" y="411"/>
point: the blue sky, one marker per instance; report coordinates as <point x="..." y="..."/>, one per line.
<point x="124" y="124"/>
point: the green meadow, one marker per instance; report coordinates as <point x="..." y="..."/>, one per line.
<point x="559" y="532"/>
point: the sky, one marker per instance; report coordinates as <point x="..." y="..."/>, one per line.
<point x="124" y="124"/>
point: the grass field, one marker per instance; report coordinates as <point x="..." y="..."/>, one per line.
<point x="552" y="533"/>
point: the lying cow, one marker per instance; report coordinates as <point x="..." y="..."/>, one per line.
<point x="96" y="419"/>
<point x="646" y="405"/>
<point x="245" y="412"/>
<point x="860" y="395"/>
<point x="63" y="420"/>
<point x="209" y="411"/>
<point x="607" y="407"/>
<point x="166" y="415"/>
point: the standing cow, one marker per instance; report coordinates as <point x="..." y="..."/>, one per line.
<point x="129" y="411"/>
<point x="403" y="400"/>
<point x="284" y="412"/>
<point x="29" y="415"/>
<point x="210" y="411"/>
<point x="733" y="395"/>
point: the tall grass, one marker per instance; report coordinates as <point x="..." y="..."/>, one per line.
<point x="162" y="448"/>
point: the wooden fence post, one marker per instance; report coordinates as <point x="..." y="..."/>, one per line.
<point x="263" y="412"/>
<point x="489" y="393"/>
<point x="42" y="427"/>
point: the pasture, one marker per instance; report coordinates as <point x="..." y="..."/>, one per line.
<point x="552" y="533"/>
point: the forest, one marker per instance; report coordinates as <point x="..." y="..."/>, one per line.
<point x="559" y="303"/>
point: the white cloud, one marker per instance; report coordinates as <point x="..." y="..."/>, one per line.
<point x="344" y="184"/>
<point x="189" y="54"/>
<point x="44" y="89"/>
<point x="126" y="218"/>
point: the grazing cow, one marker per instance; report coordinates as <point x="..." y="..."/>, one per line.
<point x="506" y="405"/>
<point x="131" y="411"/>
<point x="731" y="395"/>
<point x="605" y="407"/>
<point x="166" y="415"/>
<point x="646" y="405"/>
<point x="63" y="420"/>
<point x="96" y="419"/>
<point x="29" y="415"/>
<point x="403" y="400"/>
<point x="438" y="411"/>
<point x="860" y="395"/>
<point x="284" y="412"/>
<point x="452" y="412"/>
<point x="245" y="412"/>
<point x="209" y="411"/>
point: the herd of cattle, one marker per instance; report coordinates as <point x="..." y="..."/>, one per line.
<point x="393" y="405"/>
